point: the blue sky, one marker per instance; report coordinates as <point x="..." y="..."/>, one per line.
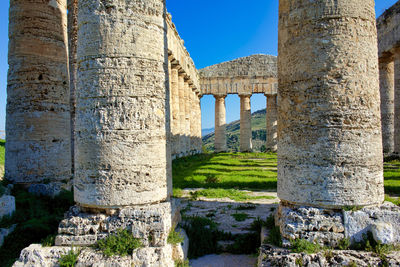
<point x="214" y="31"/>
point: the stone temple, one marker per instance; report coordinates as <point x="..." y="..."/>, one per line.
<point x="102" y="95"/>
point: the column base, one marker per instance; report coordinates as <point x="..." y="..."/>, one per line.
<point x="328" y="227"/>
<point x="151" y="223"/>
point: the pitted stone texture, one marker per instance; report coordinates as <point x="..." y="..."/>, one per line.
<point x="383" y="221"/>
<point x="38" y="118"/>
<point x="220" y="124"/>
<point x="122" y="116"/>
<point x="386" y="86"/>
<point x="7" y="205"/>
<point x="329" y="131"/>
<point x="313" y="224"/>
<point x="38" y="256"/>
<point x="271" y="257"/>
<point x="271" y="121"/>
<point x="72" y="6"/>
<point x="150" y="223"/>
<point x="245" y="124"/>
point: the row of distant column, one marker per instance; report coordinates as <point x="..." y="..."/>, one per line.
<point x="220" y="144"/>
<point x="185" y="113"/>
<point x="389" y="76"/>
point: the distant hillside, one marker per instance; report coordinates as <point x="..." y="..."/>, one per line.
<point x="258" y="125"/>
<point x="204" y="132"/>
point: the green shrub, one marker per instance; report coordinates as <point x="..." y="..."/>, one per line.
<point x="122" y="243"/>
<point x="299" y="262"/>
<point x="69" y="259"/>
<point x="240" y="217"/>
<point x="344" y="244"/>
<point x="270" y="222"/>
<point x="302" y="245"/>
<point x="174" y="237"/>
<point x="274" y="236"/>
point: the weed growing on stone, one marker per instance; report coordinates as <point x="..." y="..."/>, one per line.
<point x="177" y="192"/>
<point x="302" y="245"/>
<point x="351" y="208"/>
<point x="274" y="237"/>
<point x="69" y="259"/>
<point x="48" y="241"/>
<point x="182" y="263"/>
<point x="344" y="244"/>
<point x="299" y="262"/>
<point x="328" y="254"/>
<point x="175" y="237"/>
<point x="240" y="217"/>
<point x="122" y="243"/>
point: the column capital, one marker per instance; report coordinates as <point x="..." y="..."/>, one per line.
<point x="245" y="94"/>
<point x="219" y="96"/>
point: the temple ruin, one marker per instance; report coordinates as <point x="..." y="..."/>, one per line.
<point x="112" y="96"/>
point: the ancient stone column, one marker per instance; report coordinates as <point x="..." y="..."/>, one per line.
<point x="386" y="85"/>
<point x="175" y="112"/>
<point x="220" y="124"/>
<point x="199" y="142"/>
<point x="122" y="115"/>
<point x="182" y="116"/>
<point x="245" y="123"/>
<point x="397" y="101"/>
<point x="72" y="6"/>
<point x="38" y="113"/>
<point x="329" y="131"/>
<point x="271" y="119"/>
<point x="187" y="93"/>
<point x="193" y="116"/>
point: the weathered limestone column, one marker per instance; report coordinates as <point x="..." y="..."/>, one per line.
<point x="122" y="115"/>
<point x="397" y="101"/>
<point x="38" y="112"/>
<point x="193" y="116"/>
<point x="72" y="6"/>
<point x="199" y="142"/>
<point x="182" y="116"/>
<point x="329" y="131"/>
<point x="220" y="124"/>
<point x="271" y="119"/>
<point x="175" y="112"/>
<point x="386" y="85"/>
<point x="187" y="117"/>
<point x="245" y="123"/>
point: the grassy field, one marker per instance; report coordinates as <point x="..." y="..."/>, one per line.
<point x="250" y="171"/>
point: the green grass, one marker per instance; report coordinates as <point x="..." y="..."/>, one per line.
<point x="174" y="237"/>
<point x="252" y="171"/>
<point x="224" y="174"/>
